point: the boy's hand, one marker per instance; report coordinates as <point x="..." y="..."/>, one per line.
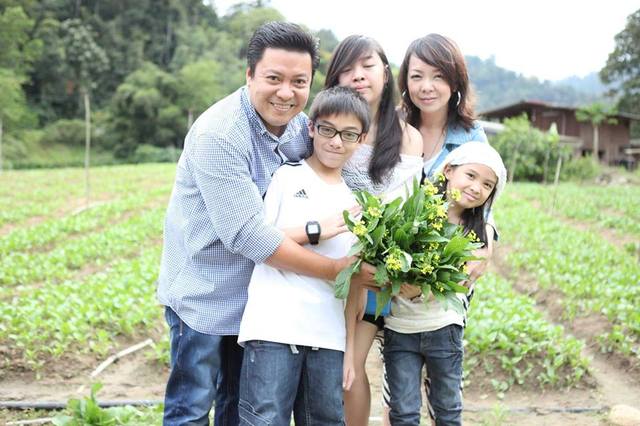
<point x="348" y="371"/>
<point x="334" y="225"/>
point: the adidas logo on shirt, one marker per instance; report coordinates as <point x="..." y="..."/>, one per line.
<point x="301" y="194"/>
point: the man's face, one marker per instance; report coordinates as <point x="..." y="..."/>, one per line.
<point x="279" y="87"/>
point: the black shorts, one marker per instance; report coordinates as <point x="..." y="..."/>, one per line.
<point x="378" y="322"/>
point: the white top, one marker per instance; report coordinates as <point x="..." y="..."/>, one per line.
<point x="395" y="184"/>
<point x="417" y="317"/>
<point x="285" y="307"/>
<point x="428" y="164"/>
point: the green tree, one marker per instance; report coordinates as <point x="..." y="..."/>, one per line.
<point x="526" y="151"/>
<point x="18" y="51"/>
<point x="87" y="61"/>
<point x="596" y="113"/>
<point x="13" y="108"/>
<point x="144" y="110"/>
<point x="622" y="69"/>
<point x="200" y="84"/>
<point x="245" y="19"/>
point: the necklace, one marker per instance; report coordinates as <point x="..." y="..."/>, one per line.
<point x="438" y="143"/>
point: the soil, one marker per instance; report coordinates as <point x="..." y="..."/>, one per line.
<point x="614" y="380"/>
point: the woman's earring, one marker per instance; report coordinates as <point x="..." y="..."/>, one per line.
<point x="404" y="93"/>
<point x="459" y="98"/>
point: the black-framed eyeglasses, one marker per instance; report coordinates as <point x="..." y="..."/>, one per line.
<point x="347" y="136"/>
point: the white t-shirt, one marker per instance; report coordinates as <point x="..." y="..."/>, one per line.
<point x="283" y="306"/>
<point x="417" y="317"/>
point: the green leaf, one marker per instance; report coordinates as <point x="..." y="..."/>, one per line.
<point x="343" y="280"/>
<point x="391" y="209"/>
<point x="406" y="260"/>
<point x="458" y="288"/>
<point x="382" y="298"/>
<point x="64" y="420"/>
<point x="377" y="234"/>
<point x="347" y="220"/>
<point x="395" y="287"/>
<point x="356" y="249"/>
<point x="381" y="275"/>
<point x="457" y="243"/>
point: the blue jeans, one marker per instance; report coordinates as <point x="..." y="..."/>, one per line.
<point x="405" y="354"/>
<point x="204" y="368"/>
<point x="278" y="379"/>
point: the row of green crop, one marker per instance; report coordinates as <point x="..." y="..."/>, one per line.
<point x="595" y="276"/>
<point x="82" y="315"/>
<point x="53" y="230"/>
<point x="615" y="207"/>
<point x="508" y="338"/>
<point x="26" y="268"/>
<point x="26" y="194"/>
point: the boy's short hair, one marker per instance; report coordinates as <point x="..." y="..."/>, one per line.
<point x="281" y="35"/>
<point x="339" y="100"/>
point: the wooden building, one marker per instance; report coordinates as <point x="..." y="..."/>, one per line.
<point x="614" y="141"/>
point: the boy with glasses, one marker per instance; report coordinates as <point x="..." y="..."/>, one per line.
<point x="293" y="327"/>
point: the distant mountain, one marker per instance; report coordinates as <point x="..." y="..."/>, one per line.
<point x="496" y="87"/>
<point x="590" y="83"/>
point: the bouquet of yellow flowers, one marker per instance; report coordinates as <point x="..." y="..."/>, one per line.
<point x="410" y="242"/>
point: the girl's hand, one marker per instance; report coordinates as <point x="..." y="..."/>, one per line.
<point x="348" y="371"/>
<point x="409" y="291"/>
<point x="334" y="225"/>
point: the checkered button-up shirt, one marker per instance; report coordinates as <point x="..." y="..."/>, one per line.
<point x="214" y="228"/>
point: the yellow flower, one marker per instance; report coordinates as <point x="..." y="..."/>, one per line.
<point x="439" y="177"/>
<point x="436" y="258"/>
<point x="426" y="269"/>
<point x="374" y="212"/>
<point x="393" y="263"/>
<point x="360" y="230"/>
<point x="442" y="212"/>
<point x="433" y="246"/>
<point x="455" y="194"/>
<point x="430" y="189"/>
<point x="473" y="236"/>
<point x="437" y="226"/>
<point x="439" y="287"/>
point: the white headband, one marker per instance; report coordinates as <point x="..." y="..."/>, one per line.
<point x="478" y="153"/>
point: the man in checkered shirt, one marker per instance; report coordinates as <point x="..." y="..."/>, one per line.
<point x="214" y="229"/>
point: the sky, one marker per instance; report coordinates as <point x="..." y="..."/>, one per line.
<point x="547" y="39"/>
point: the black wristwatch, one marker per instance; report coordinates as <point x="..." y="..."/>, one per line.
<point x="312" y="228"/>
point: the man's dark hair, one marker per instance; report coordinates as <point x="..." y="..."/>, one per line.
<point x="340" y="100"/>
<point x="281" y="35"/>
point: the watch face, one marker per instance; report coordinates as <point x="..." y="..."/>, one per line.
<point x="313" y="228"/>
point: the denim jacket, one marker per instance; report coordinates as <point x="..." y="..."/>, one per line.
<point x="456" y="136"/>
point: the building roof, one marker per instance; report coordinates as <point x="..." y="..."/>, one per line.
<point x="531" y="103"/>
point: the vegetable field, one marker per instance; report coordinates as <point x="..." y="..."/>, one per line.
<point x="553" y="325"/>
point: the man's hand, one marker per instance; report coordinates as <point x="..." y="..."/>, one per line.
<point x="334" y="225"/>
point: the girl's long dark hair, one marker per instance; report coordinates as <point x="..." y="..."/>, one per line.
<point x="388" y="143"/>
<point x="473" y="219"/>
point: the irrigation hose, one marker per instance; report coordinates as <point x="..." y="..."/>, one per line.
<point x="59" y="405"/>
